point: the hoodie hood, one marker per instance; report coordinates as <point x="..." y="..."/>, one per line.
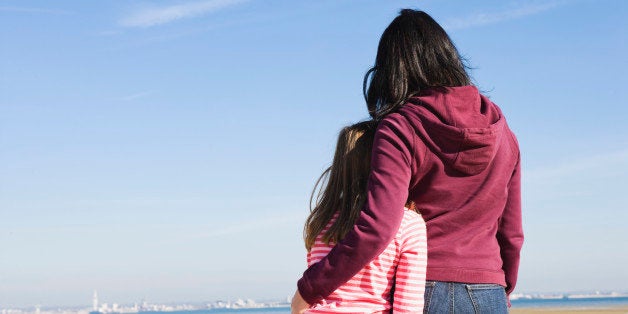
<point x="459" y="125"/>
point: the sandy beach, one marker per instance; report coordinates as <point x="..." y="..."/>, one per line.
<point x="617" y="310"/>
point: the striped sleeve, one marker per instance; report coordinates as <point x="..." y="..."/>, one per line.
<point x="410" y="275"/>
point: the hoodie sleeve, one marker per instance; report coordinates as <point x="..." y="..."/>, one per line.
<point x="380" y="218"/>
<point x="510" y="231"/>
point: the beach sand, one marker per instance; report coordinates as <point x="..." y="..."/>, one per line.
<point x="615" y="310"/>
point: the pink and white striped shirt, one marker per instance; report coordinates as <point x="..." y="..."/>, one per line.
<point x="402" y="265"/>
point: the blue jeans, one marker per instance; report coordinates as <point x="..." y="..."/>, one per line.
<point x="453" y="297"/>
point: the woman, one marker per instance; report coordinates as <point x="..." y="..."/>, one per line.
<point x="443" y="145"/>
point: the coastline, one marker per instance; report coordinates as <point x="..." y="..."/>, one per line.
<point x="623" y="309"/>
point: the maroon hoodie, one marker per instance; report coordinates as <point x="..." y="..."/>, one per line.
<point x="451" y="152"/>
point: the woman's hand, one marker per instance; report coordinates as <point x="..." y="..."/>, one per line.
<point x="298" y="305"/>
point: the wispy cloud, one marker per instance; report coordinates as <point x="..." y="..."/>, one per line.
<point x="575" y="183"/>
<point x="136" y="95"/>
<point x="33" y="10"/>
<point x="598" y="164"/>
<point x="249" y="226"/>
<point x="480" y="19"/>
<point x="153" y="16"/>
<point x="174" y="233"/>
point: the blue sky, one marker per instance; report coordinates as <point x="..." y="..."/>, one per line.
<point x="166" y="150"/>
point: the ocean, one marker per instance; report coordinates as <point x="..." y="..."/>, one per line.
<point x="573" y="303"/>
<point x="526" y="303"/>
<point x="278" y="310"/>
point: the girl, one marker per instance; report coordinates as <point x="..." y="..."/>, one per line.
<point x="402" y="263"/>
<point x="443" y="145"/>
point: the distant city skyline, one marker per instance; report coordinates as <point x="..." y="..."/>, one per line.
<point x="112" y="307"/>
<point x="167" y="150"/>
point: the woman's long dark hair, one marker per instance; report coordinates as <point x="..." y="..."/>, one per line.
<point x="414" y="54"/>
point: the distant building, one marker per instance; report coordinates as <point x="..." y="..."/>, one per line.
<point x="95" y="304"/>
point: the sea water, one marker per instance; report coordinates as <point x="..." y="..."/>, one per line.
<point x="572" y="303"/>
<point x="278" y="310"/>
<point x="521" y="303"/>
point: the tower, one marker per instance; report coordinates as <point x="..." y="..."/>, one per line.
<point x="95" y="301"/>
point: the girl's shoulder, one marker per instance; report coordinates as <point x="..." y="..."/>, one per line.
<point x="411" y="215"/>
<point x="412" y="222"/>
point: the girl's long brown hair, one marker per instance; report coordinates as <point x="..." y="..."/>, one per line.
<point x="342" y="187"/>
